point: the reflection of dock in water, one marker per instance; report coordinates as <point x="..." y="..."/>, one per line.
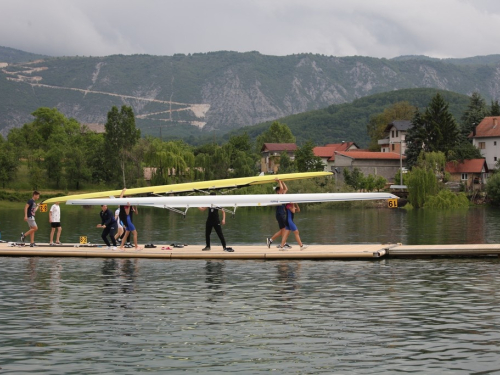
<point x="345" y="251"/>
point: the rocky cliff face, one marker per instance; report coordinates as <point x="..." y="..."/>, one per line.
<point x="219" y="91"/>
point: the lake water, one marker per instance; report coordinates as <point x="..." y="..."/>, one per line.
<point x="253" y="225"/>
<point x="129" y="316"/>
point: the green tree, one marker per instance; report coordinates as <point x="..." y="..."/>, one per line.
<point x="422" y="183"/>
<point x="353" y="179"/>
<point x="474" y="113"/>
<point x="380" y="183"/>
<point x="378" y="122"/>
<point x="8" y="162"/>
<point x="305" y="159"/>
<point x="77" y="170"/>
<point x="369" y="182"/>
<point x="120" y="137"/>
<point x="434" y="130"/>
<point x="495" y="108"/>
<point x="445" y="199"/>
<point x="172" y="161"/>
<point x="287" y="165"/>
<point x="277" y="133"/>
<point x="53" y="165"/>
<point x="493" y="189"/>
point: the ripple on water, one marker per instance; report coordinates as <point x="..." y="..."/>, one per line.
<point x="73" y="316"/>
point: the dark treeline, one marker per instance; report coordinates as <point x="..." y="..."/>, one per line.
<point x="60" y="153"/>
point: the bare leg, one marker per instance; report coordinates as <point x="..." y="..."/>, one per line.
<point x="284" y="237"/>
<point x="59" y="229"/>
<point x="135" y="239"/>
<point x="297" y="237"/>
<point x="277" y="234"/>
<point x="124" y="239"/>
<point x="52" y="235"/>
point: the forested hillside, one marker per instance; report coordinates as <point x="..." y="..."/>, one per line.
<point x="347" y="122"/>
<point x="194" y="95"/>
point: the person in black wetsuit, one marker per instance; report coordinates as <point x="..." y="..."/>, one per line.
<point x="108" y="223"/>
<point x="213" y="222"/>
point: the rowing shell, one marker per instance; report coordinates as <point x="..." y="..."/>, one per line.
<point x="232" y="200"/>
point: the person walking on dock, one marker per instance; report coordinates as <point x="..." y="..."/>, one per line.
<point x="108" y="223"/>
<point x="291" y="209"/>
<point x="280" y="215"/>
<point x="29" y="216"/>
<point x="213" y="222"/>
<point x="126" y="213"/>
<point x="55" y="222"/>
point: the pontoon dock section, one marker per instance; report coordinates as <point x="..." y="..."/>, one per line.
<point x="334" y="251"/>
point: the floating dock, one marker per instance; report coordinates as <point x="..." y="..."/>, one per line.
<point x="347" y="251"/>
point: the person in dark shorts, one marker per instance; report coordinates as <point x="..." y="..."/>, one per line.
<point x="280" y="215"/>
<point x="108" y="223"/>
<point x="213" y="222"/>
<point x="29" y="216"/>
<point x="55" y="222"/>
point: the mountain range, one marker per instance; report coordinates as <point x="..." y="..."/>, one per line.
<point x="200" y="94"/>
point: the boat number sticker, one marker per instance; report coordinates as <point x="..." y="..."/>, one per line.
<point x="393" y="203"/>
<point x="43" y="207"/>
<point x="83" y="240"/>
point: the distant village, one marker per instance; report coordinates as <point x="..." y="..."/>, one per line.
<point x="472" y="173"/>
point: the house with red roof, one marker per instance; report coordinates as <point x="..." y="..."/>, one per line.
<point x="486" y="137"/>
<point x="270" y="155"/>
<point x="385" y="164"/>
<point x="471" y="173"/>
<point x="327" y="153"/>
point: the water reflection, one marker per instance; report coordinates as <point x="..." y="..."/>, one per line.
<point x="214" y="278"/>
<point x="317" y="225"/>
<point x="424" y="316"/>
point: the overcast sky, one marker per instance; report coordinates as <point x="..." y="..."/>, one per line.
<point x="378" y="28"/>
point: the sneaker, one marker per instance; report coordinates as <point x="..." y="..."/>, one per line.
<point x="287" y="246"/>
<point x="113" y="248"/>
<point x="303" y="247"/>
<point x="108" y="247"/>
<point x="32" y="244"/>
<point x="58" y="243"/>
<point x="206" y="248"/>
<point x="269" y="242"/>
<point x="229" y="249"/>
<point x="22" y="237"/>
<point x="51" y="244"/>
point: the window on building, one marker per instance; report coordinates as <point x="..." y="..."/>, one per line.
<point x="494" y="158"/>
<point x="482" y="145"/>
<point x="464" y="176"/>
<point x="397" y="133"/>
<point x="494" y="143"/>
<point x="392" y="134"/>
<point x="393" y="148"/>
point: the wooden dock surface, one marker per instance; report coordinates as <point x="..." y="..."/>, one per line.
<point x="346" y="251"/>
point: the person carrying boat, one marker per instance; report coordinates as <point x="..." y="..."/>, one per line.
<point x="291" y="209"/>
<point x="125" y="215"/>
<point x="108" y="223"/>
<point x="281" y="216"/>
<point x="213" y="222"/>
